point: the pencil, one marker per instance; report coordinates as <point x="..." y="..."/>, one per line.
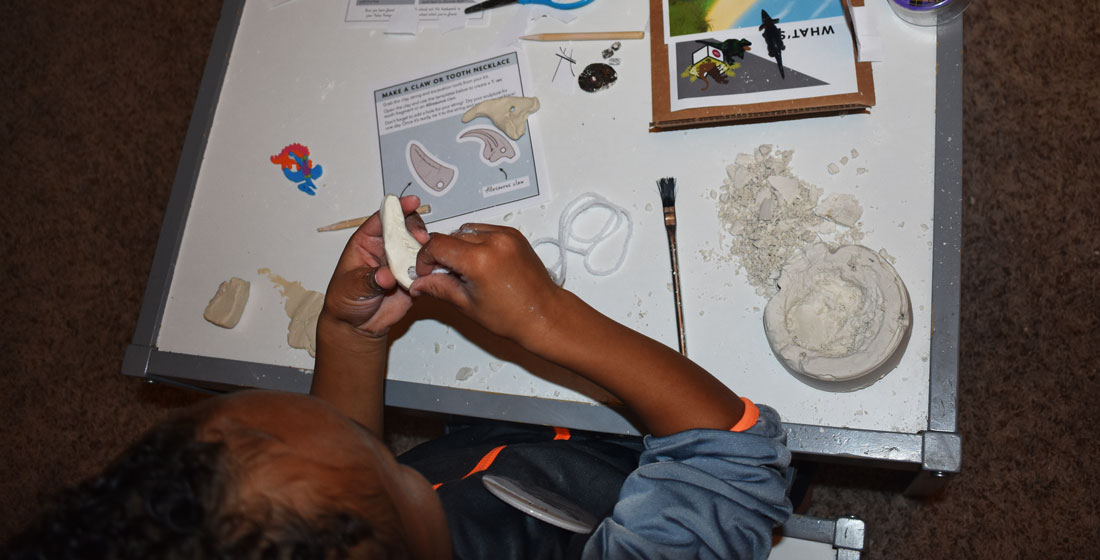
<point x="590" y="36"/>
<point x="356" y="222"/>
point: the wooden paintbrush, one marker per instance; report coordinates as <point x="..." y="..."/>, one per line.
<point x="667" y="187"/>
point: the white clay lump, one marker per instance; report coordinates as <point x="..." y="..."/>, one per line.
<point x="400" y="246"/>
<point x="227" y="305"/>
<point x="840" y="315"/>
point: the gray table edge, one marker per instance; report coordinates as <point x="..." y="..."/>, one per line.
<point x="936" y="451"/>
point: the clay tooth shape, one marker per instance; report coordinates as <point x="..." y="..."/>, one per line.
<point x="495" y="146"/>
<point x="433" y="175"/>
<point x="508" y="113"/>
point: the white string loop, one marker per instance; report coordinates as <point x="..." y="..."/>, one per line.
<point x="569" y="240"/>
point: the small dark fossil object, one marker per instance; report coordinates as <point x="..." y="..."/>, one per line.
<point x="596" y="77"/>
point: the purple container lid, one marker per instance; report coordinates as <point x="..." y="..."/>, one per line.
<point x="920" y="6"/>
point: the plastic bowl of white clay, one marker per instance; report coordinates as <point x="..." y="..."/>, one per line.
<point x="841" y="319"/>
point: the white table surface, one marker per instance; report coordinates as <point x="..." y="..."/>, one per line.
<point x="297" y="74"/>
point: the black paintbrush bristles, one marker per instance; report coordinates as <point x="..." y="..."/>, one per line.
<point x="667" y="187"/>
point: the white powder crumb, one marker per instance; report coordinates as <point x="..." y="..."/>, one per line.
<point x="844" y="160"/>
<point x="861" y="170"/>
<point x="508" y="217"/>
<point x="450" y="346"/>
<point x="437" y="348"/>
<point x="924" y="227"/>
<point x="901" y="225"/>
<point x="464" y="373"/>
<point x="855" y="154"/>
<point x="649" y="207"/>
<point x="669" y="287"/>
<point x="701" y="313"/>
<point x="833" y="169"/>
<point x="887" y="256"/>
<point x="755" y="309"/>
<point x="495" y="366"/>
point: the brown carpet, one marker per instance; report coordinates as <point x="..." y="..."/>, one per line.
<point x="96" y="100"/>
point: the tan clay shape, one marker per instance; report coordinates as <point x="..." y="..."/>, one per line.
<point x="509" y="114"/>
<point x="225" y="308"/>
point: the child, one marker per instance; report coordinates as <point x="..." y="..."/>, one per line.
<point x="265" y="474"/>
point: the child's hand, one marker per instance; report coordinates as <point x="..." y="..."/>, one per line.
<point x="496" y="279"/>
<point x="362" y="291"/>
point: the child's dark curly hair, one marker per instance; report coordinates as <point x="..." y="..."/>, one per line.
<point x="165" y="497"/>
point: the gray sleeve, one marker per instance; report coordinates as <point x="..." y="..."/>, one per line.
<point x="701" y="494"/>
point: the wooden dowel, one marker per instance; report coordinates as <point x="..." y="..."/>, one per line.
<point x="590" y="36"/>
<point x="356" y="222"/>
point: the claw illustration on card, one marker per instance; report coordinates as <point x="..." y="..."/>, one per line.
<point x="494" y="146"/>
<point x="434" y="175"/>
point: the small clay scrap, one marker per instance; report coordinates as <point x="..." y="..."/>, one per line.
<point x="597" y="77"/>
<point x="227" y="305"/>
<point x="508" y="113"/>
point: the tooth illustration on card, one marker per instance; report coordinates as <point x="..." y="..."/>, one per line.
<point x="494" y="146"/>
<point x="434" y="175"/>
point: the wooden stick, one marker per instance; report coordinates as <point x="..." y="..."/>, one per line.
<point x="356" y="222"/>
<point x="591" y="36"/>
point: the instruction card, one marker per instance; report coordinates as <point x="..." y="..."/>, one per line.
<point x="460" y="169"/>
<point x="743" y="52"/>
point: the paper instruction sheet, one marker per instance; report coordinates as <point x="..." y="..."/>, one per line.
<point x="379" y="13"/>
<point x="463" y="170"/>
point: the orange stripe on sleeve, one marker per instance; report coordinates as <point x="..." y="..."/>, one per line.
<point x="561" y="433"/>
<point x="748" y="419"/>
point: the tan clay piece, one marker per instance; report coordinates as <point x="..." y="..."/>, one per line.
<point x="509" y="114"/>
<point x="303" y="307"/>
<point x="227" y="305"/>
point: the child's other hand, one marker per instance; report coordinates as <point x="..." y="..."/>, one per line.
<point x="496" y="279"/>
<point x="363" y="292"/>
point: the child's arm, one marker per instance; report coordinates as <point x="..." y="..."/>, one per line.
<point x="362" y="302"/>
<point x="499" y="281"/>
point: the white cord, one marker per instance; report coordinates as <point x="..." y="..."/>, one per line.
<point x="570" y="241"/>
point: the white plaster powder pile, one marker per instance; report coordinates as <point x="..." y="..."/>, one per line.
<point x="771" y="214"/>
